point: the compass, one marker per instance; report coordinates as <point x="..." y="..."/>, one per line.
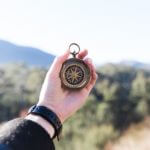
<point x="75" y="73"/>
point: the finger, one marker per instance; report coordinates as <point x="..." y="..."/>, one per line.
<point x="93" y="81"/>
<point x="57" y="64"/>
<point x="62" y="58"/>
<point x="83" y="54"/>
<point x="93" y="74"/>
<point x="88" y="61"/>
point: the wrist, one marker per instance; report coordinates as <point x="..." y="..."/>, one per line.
<point x="43" y="123"/>
<point x="51" y="107"/>
<point x="49" y="116"/>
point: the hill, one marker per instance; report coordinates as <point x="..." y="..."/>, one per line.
<point x="136" y="64"/>
<point x="119" y="99"/>
<point x="11" y="53"/>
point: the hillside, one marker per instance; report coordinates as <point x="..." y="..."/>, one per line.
<point x="11" y="53"/>
<point x="119" y="100"/>
<point x="135" y="138"/>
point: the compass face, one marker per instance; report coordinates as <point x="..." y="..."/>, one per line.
<point x="75" y="74"/>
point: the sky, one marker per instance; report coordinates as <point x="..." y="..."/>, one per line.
<point x="112" y="30"/>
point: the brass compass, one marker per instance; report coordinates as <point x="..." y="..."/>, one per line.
<point x="75" y="73"/>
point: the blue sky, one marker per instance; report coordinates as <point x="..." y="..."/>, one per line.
<point x="112" y="30"/>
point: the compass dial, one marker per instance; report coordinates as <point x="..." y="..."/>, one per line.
<point x="74" y="74"/>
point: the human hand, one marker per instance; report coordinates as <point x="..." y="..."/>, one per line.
<point x="65" y="102"/>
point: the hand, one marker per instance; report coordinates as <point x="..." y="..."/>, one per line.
<point x="62" y="101"/>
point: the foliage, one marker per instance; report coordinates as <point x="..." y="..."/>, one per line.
<point x="120" y="97"/>
<point x="135" y="138"/>
<point x="19" y="88"/>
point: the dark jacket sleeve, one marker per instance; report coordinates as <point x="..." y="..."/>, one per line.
<point x="21" y="134"/>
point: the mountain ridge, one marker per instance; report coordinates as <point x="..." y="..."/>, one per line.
<point x="135" y="64"/>
<point x="12" y="53"/>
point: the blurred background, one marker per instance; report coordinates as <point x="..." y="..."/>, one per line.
<point x="117" y="35"/>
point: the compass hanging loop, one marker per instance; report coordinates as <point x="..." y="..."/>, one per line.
<point x="74" y="49"/>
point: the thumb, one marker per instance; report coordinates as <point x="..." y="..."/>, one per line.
<point x="61" y="59"/>
<point x="57" y="64"/>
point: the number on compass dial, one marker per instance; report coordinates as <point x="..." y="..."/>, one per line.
<point x="74" y="75"/>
